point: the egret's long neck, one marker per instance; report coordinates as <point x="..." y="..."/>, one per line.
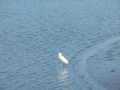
<point x="60" y="55"/>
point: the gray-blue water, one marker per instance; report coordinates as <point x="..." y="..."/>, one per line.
<point x="32" y="32"/>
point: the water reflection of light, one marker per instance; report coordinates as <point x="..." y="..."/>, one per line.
<point x="63" y="75"/>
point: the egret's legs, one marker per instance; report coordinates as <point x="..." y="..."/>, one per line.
<point x="64" y="65"/>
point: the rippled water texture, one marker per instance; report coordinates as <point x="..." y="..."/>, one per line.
<point x="32" y="32"/>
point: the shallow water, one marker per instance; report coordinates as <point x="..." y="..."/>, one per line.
<point x="33" y="32"/>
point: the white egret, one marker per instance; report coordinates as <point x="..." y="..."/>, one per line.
<point x="63" y="59"/>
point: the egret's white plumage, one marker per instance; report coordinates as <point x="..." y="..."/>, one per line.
<point x="62" y="58"/>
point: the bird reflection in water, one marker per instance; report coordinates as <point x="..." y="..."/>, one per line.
<point x="63" y="75"/>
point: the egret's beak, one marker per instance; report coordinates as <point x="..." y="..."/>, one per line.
<point x="59" y="53"/>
